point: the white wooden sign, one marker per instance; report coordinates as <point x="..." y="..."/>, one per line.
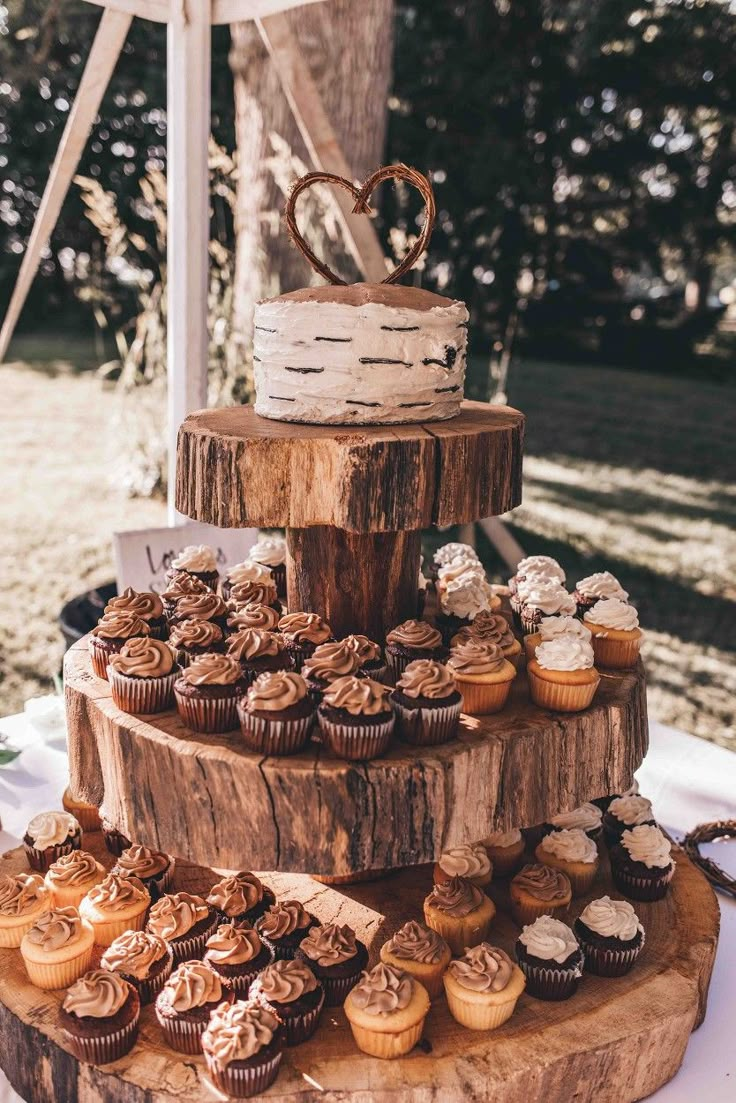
<point x="143" y="556"/>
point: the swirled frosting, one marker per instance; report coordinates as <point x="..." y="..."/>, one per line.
<point x="469" y="860"/>
<point x="282" y="918"/>
<point x="253" y="614"/>
<point x="416" y="635"/>
<point x="56" y="928"/>
<point x="547" y="597"/>
<point x="195" y="633"/>
<point x="358" y="696"/>
<point x="548" y="939"/>
<point x="270" y="550"/>
<point x="182" y="585"/>
<point x="115" y="893"/>
<point x="248" y="571"/>
<point x="614" y="614"/>
<point x="145" y="604"/>
<point x="233" y="945"/>
<point x="486" y="628"/>
<point x="238" y="1031"/>
<point x="143" y="658"/>
<point x="134" y="953"/>
<point x="51" y="829"/>
<point x="21" y="893"/>
<point x="457" y="897"/>
<point x="139" y="861"/>
<point x="543" y="883"/>
<point x="459" y="567"/>
<point x="482" y="968"/>
<point x="455" y="550"/>
<point x="205" y="606"/>
<point x="254" y="643"/>
<point x="476" y="657"/>
<point x="602" y="584"/>
<point x="415" y="942"/>
<point x="647" y="844"/>
<point x="631" y="810"/>
<point x="198" y="558"/>
<point x="71" y="869"/>
<point x="612" y="919"/>
<point x="99" y="994"/>
<point x="383" y="990"/>
<point x="331" y="661"/>
<point x="330" y="945"/>
<point x="175" y="914"/>
<point x="543" y="566"/>
<point x="565" y="653"/>
<point x="587" y="817"/>
<point x="286" y="981"/>
<point x="551" y="628"/>
<point x="305" y="627"/>
<point x="570" y="845"/>
<point x="366" y="650"/>
<point x="465" y="596"/>
<point x="503" y="839"/>
<point x="211" y="669"/>
<point x="120" y="626"/>
<point x="276" y="691"/>
<point x="192" y="985"/>
<point x="236" y="894"/>
<point x="261" y="592"/>
<point x="427" y="678"/>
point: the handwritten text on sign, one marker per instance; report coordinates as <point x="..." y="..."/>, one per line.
<point x="143" y="556"/>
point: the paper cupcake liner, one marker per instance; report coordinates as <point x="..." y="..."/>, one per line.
<point x="58" y="974"/>
<point x="549" y="984"/>
<point x="107" y="930"/>
<point x="187" y="949"/>
<point x="301" y="1027"/>
<point x="208" y="715"/>
<point x="86" y="815"/>
<point x="615" y="654"/>
<point x="523" y="913"/>
<point x="645" y="889"/>
<point x="387" y="1045"/>
<point x="12" y="936"/>
<point x="477" y="1016"/>
<point x="242" y="1083"/>
<point x="608" y="963"/>
<point x="515" y="659"/>
<point x="142" y="696"/>
<point x="459" y="932"/>
<point x="424" y="727"/>
<point x="42" y="860"/>
<point x="480" y="699"/>
<point x="354" y="742"/>
<point x="558" y="697"/>
<point x="149" y="987"/>
<point x="531" y="643"/>
<point x="183" y="1035"/>
<point x="273" y="736"/>
<point x="337" y="988"/>
<point x="100" y="656"/>
<point x="115" y="842"/>
<point x="100" y="1051"/>
<point x="396" y="665"/>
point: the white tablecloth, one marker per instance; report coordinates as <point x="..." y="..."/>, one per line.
<point x="689" y="782"/>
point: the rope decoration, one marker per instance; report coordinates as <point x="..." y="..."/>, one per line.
<point x="361" y="197"/>
<point x="708" y="833"/>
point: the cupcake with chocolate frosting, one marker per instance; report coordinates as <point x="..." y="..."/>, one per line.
<point x="386" y="1011"/>
<point x="58" y="948"/>
<point x="610" y="936"/>
<point x="237" y="955"/>
<point x="242" y="1046"/>
<point x="420" y="951"/>
<point x="414" y="639"/>
<point x="550" y="628"/>
<point x="241" y="897"/>
<point x="99" y="1017"/>
<point x="261" y="592"/>
<point x="144" y="604"/>
<point x="483" y="676"/>
<point x="277" y="714"/>
<point x="505" y="850"/>
<point x="178" y="586"/>
<point x="284" y="926"/>
<point x="290" y="989"/>
<point x="208" y="606"/>
<point x="191" y="638"/>
<point x="270" y="551"/>
<point x="600" y="586"/>
<point x="142" y="959"/>
<point x="303" y="632"/>
<point x="370" y="657"/>
<point x="258" y="652"/>
<point x="207" y="693"/>
<point x="641" y="864"/>
<point x="197" y="560"/>
<point x="185" y="1003"/>
<point x="48" y="836"/>
<point x="616" y="633"/>
<point x="623" y="813"/>
<point x="253" y="614"/>
<point x="539" y="890"/>
<point x="469" y="860"/>
<point x="112" y="631"/>
<point x="115" y="905"/>
<point x="24" y="897"/>
<point x="142" y="676"/>
<point x="459" y="912"/>
<point x="550" y="957"/>
<point x="562" y="677"/>
<point x="483" y="987"/>
<point x="247" y="571"/>
<point x="326" y="664"/>
<point x="574" y="853"/>
<point x="152" y="867"/>
<point x="71" y="876"/>
<point x="184" y="921"/>
<point x="336" y="957"/>
<point x="427" y="703"/>
<point x="355" y="718"/>
<point x="491" y="628"/>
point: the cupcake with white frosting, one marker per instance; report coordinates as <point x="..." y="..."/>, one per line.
<point x="198" y="560"/>
<point x="454" y="550"/>
<point x="617" y="636"/>
<point x="626" y="812"/>
<point x="468" y="860"/>
<point x="540" y="597"/>
<point x="536" y="566"/>
<point x="506" y="851"/>
<point x="610" y="936"/>
<point x="463" y="593"/>
<point x="596" y="587"/>
<point x="550" y="957"/>
<point x="562" y="676"/>
<point x="270" y="551"/>
<point x="642" y="864"/>
<point x="574" y="854"/>
<point x="48" y="836"/>
<point x="586" y="817"/>
<point x="550" y="628"/>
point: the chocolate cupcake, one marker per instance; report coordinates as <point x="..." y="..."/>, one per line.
<point x="207" y="693"/>
<point x="292" y="991"/>
<point x="270" y="551"/>
<point x="326" y="664"/>
<point x="48" y="836"/>
<point x="142" y="959"/>
<point x="277" y="714"/>
<point x="146" y="605"/>
<point x="237" y="955"/>
<point x="426" y="703"/>
<point x="355" y="718"/>
<point x="111" y="632"/>
<point x="241" y="897"/>
<point x="254" y="614"/>
<point x="550" y="958"/>
<point x="178" y="586"/>
<point x="247" y="571"/>
<point x="197" y="560"/>
<point x="610" y="936"/>
<point x="262" y="592"/>
<point x="185" y="922"/>
<point x="623" y="813"/>
<point x="491" y="628"/>
<point x="543" y="599"/>
<point x="336" y="958"/>
<point x="371" y="661"/>
<point x="152" y="867"/>
<point x="258" y="652"/>
<point x="242" y="1046"/>
<point x="284" y="926"/>
<point x="115" y="841"/>
<point x="303" y="632"/>
<point x="99" y="1017"/>
<point x="208" y="606"/>
<point x="595" y="587"/>
<point x="142" y="676"/>
<point x="192" y="638"/>
<point x="641" y="864"/>
<point x="185" y="1003"/>
<point x="414" y="639"/>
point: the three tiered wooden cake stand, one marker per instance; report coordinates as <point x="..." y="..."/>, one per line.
<point x="353" y="502"/>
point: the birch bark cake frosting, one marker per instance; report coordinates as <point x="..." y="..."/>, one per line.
<point x="367" y="354"/>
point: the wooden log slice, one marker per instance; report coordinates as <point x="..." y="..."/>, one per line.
<point x="615" y="1041"/>
<point x="209" y="799"/>
<point x="236" y="469"/>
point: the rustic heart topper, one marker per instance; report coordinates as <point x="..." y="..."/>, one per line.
<point x="362" y="196"/>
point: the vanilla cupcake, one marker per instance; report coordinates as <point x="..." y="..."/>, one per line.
<point x="483" y="987"/>
<point x="386" y="1012"/>
<point x="71" y="876"/>
<point x="23" y="899"/>
<point x="572" y="852"/>
<point x="115" y="905"/>
<point x="610" y="936"/>
<point x="87" y="815"/>
<point x="427" y="703"/>
<point x="198" y="560"/>
<point x="616" y="633"/>
<point x="482" y="675"/>
<point x="469" y="860"/>
<point x="491" y="628"/>
<point x="207" y="693"/>
<point x="420" y="951"/>
<point x="48" y="836"/>
<point x="598" y="587"/>
<point x="506" y="851"/>
<point x="142" y="676"/>
<point x="551" y="628"/>
<point x="586" y="817"/>
<point x="58" y="948"/>
<point x="247" y="571"/>
<point x="539" y="890"/>
<point x="459" y="912"/>
<point x="463" y="593"/>
<point x="540" y="598"/>
<point x="562" y="677"/>
<point x="550" y="957"/>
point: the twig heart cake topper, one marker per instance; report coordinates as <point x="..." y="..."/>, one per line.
<point x="362" y="196"/>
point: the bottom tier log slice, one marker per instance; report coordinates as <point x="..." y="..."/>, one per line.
<point x="615" y="1041"/>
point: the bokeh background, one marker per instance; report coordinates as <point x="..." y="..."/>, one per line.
<point x="582" y="155"/>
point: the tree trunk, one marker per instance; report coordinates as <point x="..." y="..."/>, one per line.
<point x="348" y="47"/>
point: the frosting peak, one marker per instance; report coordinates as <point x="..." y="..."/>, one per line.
<point x="550" y="628"/>
<point x="52" y="829"/>
<point x="286" y="981"/>
<point x="483" y="968"/>
<point x="565" y="653"/>
<point x="330" y="944"/>
<point x="143" y="658"/>
<point x="415" y="634"/>
<point x="358" y="696"/>
<point x="146" y="605"/>
<point x="476" y="657"/>
<point x="233" y="944"/>
<point x="469" y="860"/>
<point x="631" y="810"/>
<point x="192" y="985"/>
<point x="198" y="558"/>
<point x="254" y="643"/>
<point x="570" y="845"/>
<point x="456" y="897"/>
<point x="614" y="614"/>
<point x="308" y="627"/>
<point x="253" y="614"/>
<point x="195" y="633"/>
<point x="56" y="928"/>
<point x="97" y="995"/>
<point x="612" y="919"/>
<point x="427" y="678"/>
<point x="543" y="882"/>
<point x="415" y="942"/>
<point x="455" y="550"/>
<point x="117" y="893"/>
<point x="270" y="550"/>
<point x="211" y="669"/>
<point x="383" y="990"/>
<point x="175" y="914"/>
<point x="284" y="917"/>
<point x="275" y="691"/>
<point x="238" y="1031"/>
<point x="119" y="625"/>
<point x="487" y="628"/>
<point x="602" y="584"/>
<point x="647" y="844"/>
<point x="236" y="894"/>
<point x="133" y="953"/>
<point x="21" y="893"/>
<point x="331" y="661"/>
<point x="548" y="939"/>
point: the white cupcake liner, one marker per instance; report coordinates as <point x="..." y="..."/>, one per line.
<point x="142" y="696"/>
<point x="427" y="727"/>
<point x="272" y="736"/>
<point x="354" y="742"/>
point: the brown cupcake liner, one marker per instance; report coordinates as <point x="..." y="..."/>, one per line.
<point x="547" y="983"/>
<point x="208" y="715"/>
<point x="183" y="1035"/>
<point x="240" y="1082"/>
<point x="110" y="1047"/>
<point x="609" y="963"/>
<point x="424" y="727"/>
<point x="299" y="1028"/>
<point x="645" y="889"/>
<point x="41" y="860"/>
<point x="354" y="742"/>
<point x="142" y="696"/>
<point x="274" y="737"/>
